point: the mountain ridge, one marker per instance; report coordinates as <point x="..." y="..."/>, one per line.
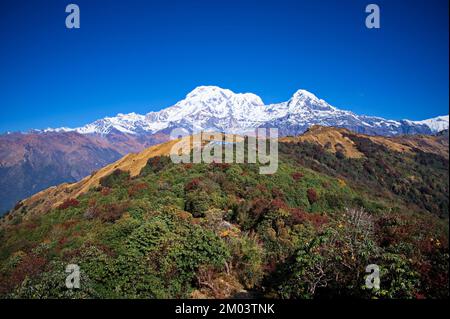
<point x="214" y="108"/>
<point x="331" y="139"/>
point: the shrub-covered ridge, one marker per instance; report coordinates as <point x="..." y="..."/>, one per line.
<point x="224" y="230"/>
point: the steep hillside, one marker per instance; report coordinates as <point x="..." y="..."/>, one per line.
<point x="145" y="227"/>
<point x="30" y="163"/>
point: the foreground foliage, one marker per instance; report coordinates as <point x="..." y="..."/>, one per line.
<point x="223" y="230"/>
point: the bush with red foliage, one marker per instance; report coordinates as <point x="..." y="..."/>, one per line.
<point x="262" y="188"/>
<point x="271" y="266"/>
<point x="193" y="184"/>
<point x="297" y="176"/>
<point x="299" y="216"/>
<point x="107" y="212"/>
<point x="434" y="276"/>
<point x="111" y="212"/>
<point x="71" y="202"/>
<point x="312" y="195"/>
<point x="105" y="191"/>
<point x="318" y="220"/>
<point x="259" y="207"/>
<point x="31" y="225"/>
<point x="278" y="203"/>
<point x="221" y="166"/>
<point x="63" y="240"/>
<point x="277" y="193"/>
<point x="392" y="230"/>
<point x="134" y="189"/>
<point x="30" y="266"/>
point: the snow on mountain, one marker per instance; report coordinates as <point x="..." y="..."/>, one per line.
<point x="214" y="108"/>
<point x="211" y="108"/>
<point x="436" y="124"/>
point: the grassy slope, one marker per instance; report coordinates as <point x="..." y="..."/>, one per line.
<point x="211" y="230"/>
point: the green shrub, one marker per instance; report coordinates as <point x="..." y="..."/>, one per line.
<point x="116" y="178"/>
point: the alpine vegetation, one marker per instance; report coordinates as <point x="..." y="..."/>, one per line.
<point x="228" y="148"/>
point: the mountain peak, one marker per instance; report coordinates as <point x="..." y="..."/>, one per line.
<point x="216" y="94"/>
<point x="304" y="95"/>
<point x="205" y="91"/>
<point x="218" y="101"/>
<point x="437" y="124"/>
<point x="305" y="99"/>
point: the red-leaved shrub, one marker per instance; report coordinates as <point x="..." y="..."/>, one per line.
<point x="134" y="189"/>
<point x="193" y="184"/>
<point x="71" y="202"/>
<point x="297" y="176"/>
<point x="299" y="216"/>
<point x="278" y="203"/>
<point x="312" y="195"/>
<point x="30" y="266"/>
<point x="259" y="207"/>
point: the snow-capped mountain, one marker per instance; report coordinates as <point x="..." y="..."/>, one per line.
<point x="436" y="124"/>
<point x="217" y="109"/>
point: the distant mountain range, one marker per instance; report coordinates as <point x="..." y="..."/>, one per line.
<point x="217" y="109"/>
<point x="33" y="161"/>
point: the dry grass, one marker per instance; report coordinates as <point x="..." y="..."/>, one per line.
<point x="333" y="137"/>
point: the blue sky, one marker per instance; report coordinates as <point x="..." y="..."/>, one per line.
<point x="146" y="55"/>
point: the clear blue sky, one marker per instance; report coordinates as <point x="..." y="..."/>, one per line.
<point x="145" y="55"/>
